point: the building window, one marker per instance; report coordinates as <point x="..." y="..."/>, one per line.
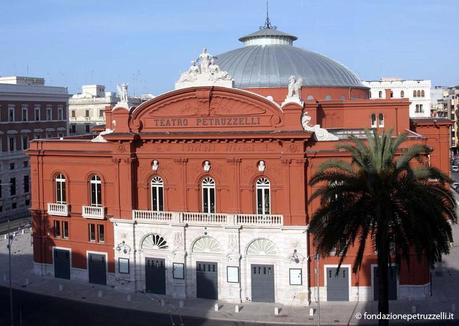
<point x="373" y="120"/>
<point x="101" y="232"/>
<point x="65" y="229"/>
<point x="381" y="120"/>
<point x="73" y="114"/>
<point x="25" y="142"/>
<point x="96" y="190"/>
<point x="418" y="93"/>
<point x="391" y="94"/>
<point x="60" y="189"/>
<point x="13" y="205"/>
<point x="423" y="94"/>
<point x="86" y="113"/>
<point x="26" y="184"/>
<point x="380" y="94"/>
<point x="208" y="195"/>
<point x="36" y="113"/>
<point x="101" y="113"/>
<point x="402" y="94"/>
<point x="12" y="166"/>
<point x="263" y="196"/>
<point x="414" y="93"/>
<point x="25" y="113"/>
<point x="87" y="128"/>
<point x="72" y="129"/>
<point x="419" y="108"/>
<point x="92" y="232"/>
<point x="12" y="143"/>
<point x="96" y="237"/>
<point x="49" y="114"/>
<point x="11" y="113"/>
<point x="157" y="194"/>
<point x="60" y="113"/>
<point x="57" y="229"/>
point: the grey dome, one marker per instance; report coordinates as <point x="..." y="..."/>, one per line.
<point x="269" y="59"/>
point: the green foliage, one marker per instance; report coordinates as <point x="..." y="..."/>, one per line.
<point x="384" y="197"/>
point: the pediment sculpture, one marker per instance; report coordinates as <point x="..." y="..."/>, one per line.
<point x="320" y="134"/>
<point x="204" y="72"/>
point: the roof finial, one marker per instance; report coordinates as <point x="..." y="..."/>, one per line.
<point x="268" y="24"/>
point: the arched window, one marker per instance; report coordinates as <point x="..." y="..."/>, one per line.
<point x="95" y="184"/>
<point x="380" y="94"/>
<point x="208" y="195"/>
<point x="381" y="120"/>
<point x="157" y="194"/>
<point x="60" y="189"/>
<point x="373" y="120"/>
<point x="414" y="93"/>
<point x="423" y="93"/>
<point x="418" y="93"/>
<point x="402" y="94"/>
<point x="263" y="196"/>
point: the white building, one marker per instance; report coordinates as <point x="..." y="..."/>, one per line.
<point x="417" y="91"/>
<point x="86" y="109"/>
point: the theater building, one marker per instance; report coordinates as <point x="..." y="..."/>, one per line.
<point x="203" y="191"/>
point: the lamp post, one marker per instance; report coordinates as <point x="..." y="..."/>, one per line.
<point x="317" y="258"/>
<point x="10" y="237"/>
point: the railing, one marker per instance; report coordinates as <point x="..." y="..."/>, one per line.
<point x="96" y="212"/>
<point x="207" y="218"/>
<point x="151" y="216"/>
<point x="253" y="219"/>
<point x="58" y="209"/>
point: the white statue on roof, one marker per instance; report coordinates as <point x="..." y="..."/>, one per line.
<point x="122" y="93"/>
<point x="320" y="134"/>
<point x="204" y="72"/>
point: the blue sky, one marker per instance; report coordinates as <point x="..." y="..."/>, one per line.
<point x="148" y="43"/>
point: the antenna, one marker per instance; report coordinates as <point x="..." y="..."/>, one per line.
<point x="268" y="24"/>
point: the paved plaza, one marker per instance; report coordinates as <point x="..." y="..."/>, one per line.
<point x="445" y="294"/>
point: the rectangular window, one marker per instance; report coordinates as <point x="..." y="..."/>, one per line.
<point x="49" y="113"/>
<point x="73" y="129"/>
<point x="101" y="113"/>
<point x="12" y="143"/>
<point x="13" y="205"/>
<point x="86" y="113"/>
<point x="101" y="232"/>
<point x="87" y="128"/>
<point x="57" y="229"/>
<point x="25" y="142"/>
<point x="65" y="229"/>
<point x="26" y="184"/>
<point x="123" y="265"/>
<point x="36" y="113"/>
<point x="12" y="166"/>
<point x="73" y="114"/>
<point x="11" y="115"/>
<point x="25" y="113"/>
<point x="13" y="186"/>
<point x="60" y="113"/>
<point x="92" y="232"/>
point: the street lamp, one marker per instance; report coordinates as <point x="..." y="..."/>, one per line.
<point x="10" y="237"/>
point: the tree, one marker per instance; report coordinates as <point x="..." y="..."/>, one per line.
<point x="388" y="197"/>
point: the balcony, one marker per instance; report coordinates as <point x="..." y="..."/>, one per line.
<point x="93" y="212"/>
<point x="194" y="218"/>
<point x="58" y="209"/>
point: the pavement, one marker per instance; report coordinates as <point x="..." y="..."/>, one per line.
<point x="445" y="296"/>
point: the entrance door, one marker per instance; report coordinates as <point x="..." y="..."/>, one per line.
<point x="392" y="283"/>
<point x="155" y="275"/>
<point x="62" y="263"/>
<point x="206" y="280"/>
<point x="262" y="283"/>
<point x="337" y="284"/>
<point x="97" y="269"/>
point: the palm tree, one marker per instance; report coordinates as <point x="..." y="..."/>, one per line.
<point x="387" y="197"/>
